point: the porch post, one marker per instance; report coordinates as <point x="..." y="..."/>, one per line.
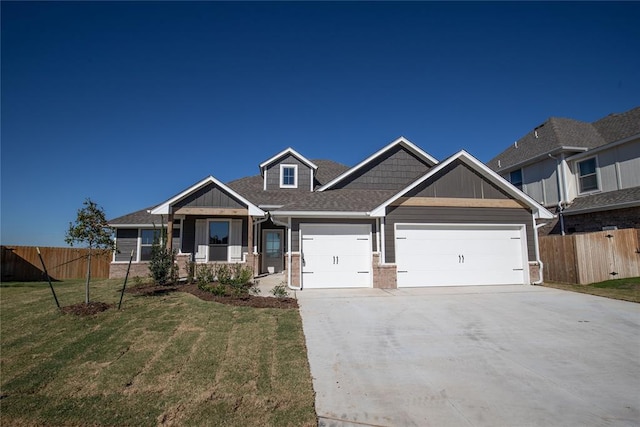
<point x="169" y="242"/>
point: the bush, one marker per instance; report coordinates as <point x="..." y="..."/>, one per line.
<point x="205" y="274"/>
<point x="280" y="291"/>
<point x="191" y="272"/>
<point x="162" y="266"/>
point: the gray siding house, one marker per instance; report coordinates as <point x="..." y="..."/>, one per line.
<point x="399" y="218"/>
<point x="587" y="173"/>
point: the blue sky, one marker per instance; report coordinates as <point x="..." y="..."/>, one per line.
<point x="129" y="103"/>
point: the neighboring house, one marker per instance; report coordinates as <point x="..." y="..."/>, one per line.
<point x="399" y="218"/>
<point x="587" y="173"/>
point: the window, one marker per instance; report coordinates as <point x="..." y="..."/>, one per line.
<point x="587" y="176"/>
<point x="288" y="176"/>
<point x="147" y="237"/>
<point x="218" y="240"/>
<point x="515" y="177"/>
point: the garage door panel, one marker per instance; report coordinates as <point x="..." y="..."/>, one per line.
<point x="336" y="256"/>
<point x="459" y="255"/>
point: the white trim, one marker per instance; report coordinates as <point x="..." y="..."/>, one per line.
<point x="284" y="152"/>
<point x="576" y="170"/>
<point x="558" y="150"/>
<point x="264" y="184"/>
<point x="383" y="247"/>
<point x="284" y="166"/>
<point x="321" y="214"/>
<point x="311" y="181"/>
<point x="400" y="141"/>
<point x="539" y="210"/>
<point x="165" y="207"/>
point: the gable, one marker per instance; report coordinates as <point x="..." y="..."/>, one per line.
<point x="458" y="180"/>
<point x="272" y="174"/>
<point x="392" y="170"/>
<point x="209" y="196"/>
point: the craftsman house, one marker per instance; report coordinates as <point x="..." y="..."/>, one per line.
<point x="587" y="173"/>
<point x="399" y="218"/>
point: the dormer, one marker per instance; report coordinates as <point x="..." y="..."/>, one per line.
<point x="288" y="171"/>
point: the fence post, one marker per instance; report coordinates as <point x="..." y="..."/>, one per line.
<point x="44" y="267"/>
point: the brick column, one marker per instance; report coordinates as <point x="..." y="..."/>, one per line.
<point x="384" y="276"/>
<point x="295" y="269"/>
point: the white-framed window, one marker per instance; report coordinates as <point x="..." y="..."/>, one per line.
<point x="515" y="178"/>
<point x="288" y="176"/>
<point x="147" y="237"/>
<point x="587" y="171"/>
<point x="218" y="240"/>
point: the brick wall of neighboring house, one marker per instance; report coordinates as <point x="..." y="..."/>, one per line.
<point x="384" y="275"/>
<point x="534" y="272"/>
<point x="295" y="269"/>
<point x="594" y="221"/>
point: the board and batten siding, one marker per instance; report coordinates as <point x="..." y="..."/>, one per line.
<point x="273" y="174"/>
<point x="295" y="228"/>
<point x="619" y="167"/>
<point x="209" y="196"/>
<point x="457" y="180"/>
<point x="454" y="215"/>
<point x="540" y="182"/>
<point x="393" y="171"/>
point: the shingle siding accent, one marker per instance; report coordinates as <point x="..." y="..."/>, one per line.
<point x="295" y="228"/>
<point x="393" y="171"/>
<point x="210" y="196"/>
<point x="445" y="215"/>
<point x="126" y="241"/>
<point x="458" y="180"/>
<point x="273" y="174"/>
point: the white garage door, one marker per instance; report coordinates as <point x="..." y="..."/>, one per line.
<point x="458" y="255"/>
<point x="335" y="255"/>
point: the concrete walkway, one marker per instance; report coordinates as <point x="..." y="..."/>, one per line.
<point x="472" y="356"/>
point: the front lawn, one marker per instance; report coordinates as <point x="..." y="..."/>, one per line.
<point x="168" y="359"/>
<point x="623" y="289"/>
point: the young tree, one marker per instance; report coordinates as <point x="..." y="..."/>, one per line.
<point x="90" y="229"/>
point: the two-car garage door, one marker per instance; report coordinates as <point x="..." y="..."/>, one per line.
<point x="459" y="254"/>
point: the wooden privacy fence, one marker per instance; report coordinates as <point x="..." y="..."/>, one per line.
<point x="591" y="257"/>
<point x="21" y="263"/>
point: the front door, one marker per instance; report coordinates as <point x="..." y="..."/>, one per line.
<point x="272" y="250"/>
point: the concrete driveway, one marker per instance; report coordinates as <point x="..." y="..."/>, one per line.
<point x="472" y="356"/>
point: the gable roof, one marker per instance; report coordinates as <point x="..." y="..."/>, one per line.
<point x="566" y="135"/>
<point x="484" y="171"/>
<point x="402" y="141"/>
<point x="283" y="153"/>
<point x="163" y="208"/>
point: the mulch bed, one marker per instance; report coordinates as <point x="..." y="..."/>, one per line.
<point x="82" y="309"/>
<point x="244" y="301"/>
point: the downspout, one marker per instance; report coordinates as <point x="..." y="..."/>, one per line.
<point x="538" y="260"/>
<point x="288" y="225"/>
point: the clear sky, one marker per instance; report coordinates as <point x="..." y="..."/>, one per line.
<point x="129" y="103"/>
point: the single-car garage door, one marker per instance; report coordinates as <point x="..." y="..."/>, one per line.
<point x="460" y="254"/>
<point x="335" y="255"/>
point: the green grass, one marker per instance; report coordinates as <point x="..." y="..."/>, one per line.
<point x="622" y="289"/>
<point x="161" y="360"/>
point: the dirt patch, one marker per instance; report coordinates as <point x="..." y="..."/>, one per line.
<point x="82" y="309"/>
<point x="242" y="301"/>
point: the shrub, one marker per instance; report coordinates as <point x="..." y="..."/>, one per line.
<point x="162" y="264"/>
<point x="204" y="275"/>
<point x="280" y="291"/>
<point x="191" y="272"/>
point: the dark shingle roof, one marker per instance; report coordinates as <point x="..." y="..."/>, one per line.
<point x="556" y="133"/>
<point x="340" y="200"/>
<point x="138" y="217"/>
<point x="605" y="201"/>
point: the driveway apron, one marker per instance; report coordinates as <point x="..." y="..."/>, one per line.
<point x="472" y="356"/>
